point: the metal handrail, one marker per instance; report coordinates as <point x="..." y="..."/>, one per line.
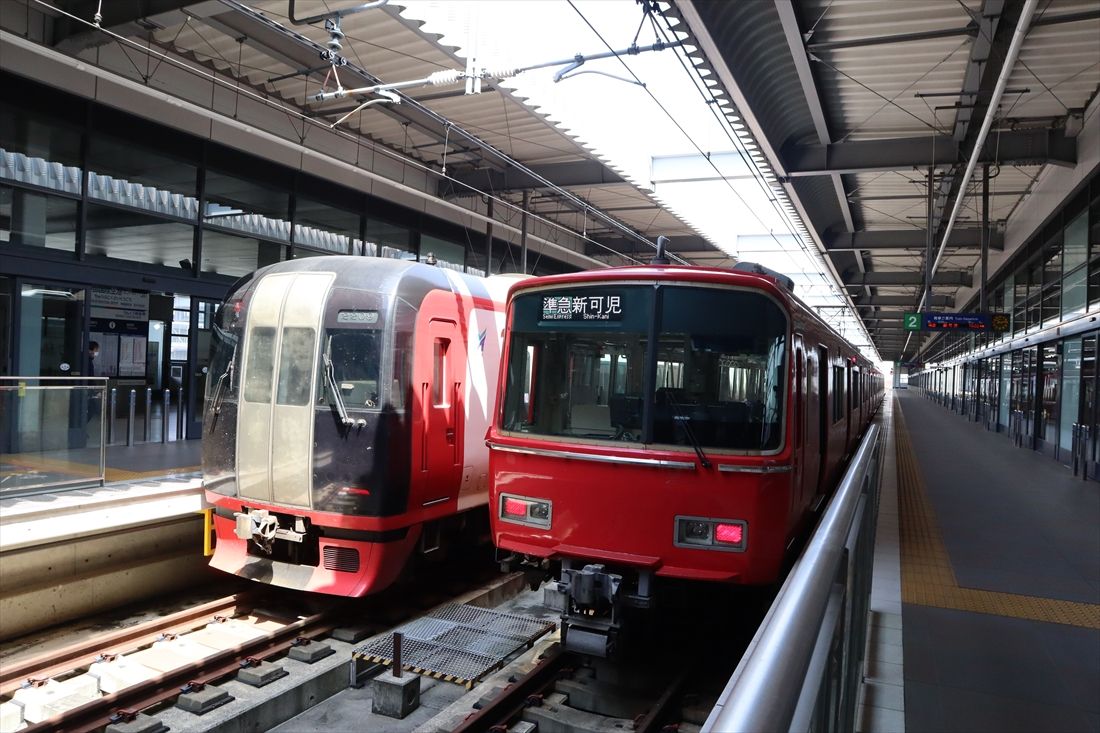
<point x="772" y="689"/>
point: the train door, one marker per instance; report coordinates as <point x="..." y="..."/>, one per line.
<point x="275" y="416"/>
<point x="440" y="381"/>
<point x="1087" y="404"/>
<point x="824" y="421"/>
<point x="798" y="423"/>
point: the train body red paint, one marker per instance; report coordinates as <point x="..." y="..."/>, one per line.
<point x="345" y="418"/>
<point x="702" y="458"/>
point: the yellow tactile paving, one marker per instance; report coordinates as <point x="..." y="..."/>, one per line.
<point x="81" y="470"/>
<point x="927" y="578"/>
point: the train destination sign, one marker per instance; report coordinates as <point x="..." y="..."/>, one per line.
<point x="582" y="308"/>
<point x="996" y="322"/>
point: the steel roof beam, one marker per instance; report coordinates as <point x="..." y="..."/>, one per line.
<point x="125" y="17"/>
<point x="573" y="173"/>
<point x="895" y="239"/>
<point x="971" y="29"/>
<point x="905" y="301"/>
<point x="950" y="278"/>
<point x="1011" y="147"/>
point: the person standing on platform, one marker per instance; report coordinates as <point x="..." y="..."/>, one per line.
<point x="95" y="401"/>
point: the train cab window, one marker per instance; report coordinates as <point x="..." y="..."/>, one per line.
<point x="261" y="365"/>
<point x="576" y="365"/>
<point x="439" y="372"/>
<point x="355" y="355"/>
<point x="724" y="383"/>
<point x="295" y="365"/>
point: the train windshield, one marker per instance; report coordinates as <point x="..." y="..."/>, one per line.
<point x="355" y="355"/>
<point x="577" y="366"/>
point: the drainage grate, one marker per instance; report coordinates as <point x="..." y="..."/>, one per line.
<point x="457" y="643"/>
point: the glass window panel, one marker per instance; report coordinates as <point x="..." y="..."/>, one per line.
<point x="557" y="383"/>
<point x="296" y="370"/>
<point x="37" y="220"/>
<point x="355" y="355"/>
<point x="245" y="207"/>
<point x="439" y="372"/>
<point x="228" y="254"/>
<point x="261" y="351"/>
<point x="325" y="228"/>
<point x="38" y="150"/>
<point x="395" y="242"/>
<point x="446" y="253"/>
<point x="135" y="237"/>
<point x="727" y="374"/>
<point x="130" y="175"/>
<point x="1071" y="390"/>
<point x="1074" y="284"/>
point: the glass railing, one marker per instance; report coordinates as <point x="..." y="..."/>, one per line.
<point x="52" y="433"/>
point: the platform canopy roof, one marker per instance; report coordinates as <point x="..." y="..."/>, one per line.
<point x="258" y="44"/>
<point x="854" y="102"/>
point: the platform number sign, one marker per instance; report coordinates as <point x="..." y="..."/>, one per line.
<point x="912" y="321"/>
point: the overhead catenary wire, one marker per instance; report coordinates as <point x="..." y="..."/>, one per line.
<point x="294" y="112"/>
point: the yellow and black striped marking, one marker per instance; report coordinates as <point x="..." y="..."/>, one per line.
<point x="927" y="578"/>
<point x="385" y="661"/>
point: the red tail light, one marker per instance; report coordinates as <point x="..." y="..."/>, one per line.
<point x="515" y="507"/>
<point x="729" y="533"/>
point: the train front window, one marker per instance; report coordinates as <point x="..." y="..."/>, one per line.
<point x="356" y="357"/>
<point x="576" y="367"/>
<point x="719" y="376"/>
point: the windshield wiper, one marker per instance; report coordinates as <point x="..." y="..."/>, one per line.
<point x="216" y="400"/>
<point x="337" y="398"/>
<point x="684" y="421"/>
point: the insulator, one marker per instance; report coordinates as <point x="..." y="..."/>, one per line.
<point x="447" y="76"/>
<point x="499" y="73"/>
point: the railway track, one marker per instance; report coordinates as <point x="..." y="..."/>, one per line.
<point x="112" y="677"/>
<point x="569" y="692"/>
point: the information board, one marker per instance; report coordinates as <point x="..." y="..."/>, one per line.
<point x="995" y="322"/>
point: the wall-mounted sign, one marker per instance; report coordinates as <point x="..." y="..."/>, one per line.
<point x="582" y="308"/>
<point x="995" y="322"/>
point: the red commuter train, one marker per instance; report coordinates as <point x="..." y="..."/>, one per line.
<point x="666" y="422"/>
<point x="345" y="418"/>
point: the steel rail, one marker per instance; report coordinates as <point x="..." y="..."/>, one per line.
<point x="83" y="653"/>
<point x="513" y="699"/>
<point x="764" y="691"/>
<point x="98" y="713"/>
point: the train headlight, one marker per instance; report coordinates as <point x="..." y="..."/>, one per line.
<point x="525" y="510"/>
<point x="705" y="533"/>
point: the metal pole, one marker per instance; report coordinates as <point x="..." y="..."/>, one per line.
<point x="523" y="232"/>
<point x="984" y="297"/>
<point x="179" y="414"/>
<point x="164" y="416"/>
<point x="489" y="239"/>
<point x="112" y="406"/>
<point x="130" y="417"/>
<point x="148" y="411"/>
<point x="927" y="300"/>
<point x="397" y="637"/>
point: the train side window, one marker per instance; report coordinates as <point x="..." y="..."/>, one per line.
<point x="838" y="393"/>
<point x="296" y="356"/>
<point x="439" y="372"/>
<point x="258" y="374"/>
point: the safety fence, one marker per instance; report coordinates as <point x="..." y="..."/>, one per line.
<point x="55" y="431"/>
<point x="803" y="669"/>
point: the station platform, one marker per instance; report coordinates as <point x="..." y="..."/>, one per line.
<point x="986" y="600"/>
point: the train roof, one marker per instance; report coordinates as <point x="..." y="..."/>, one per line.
<point x="746" y="278"/>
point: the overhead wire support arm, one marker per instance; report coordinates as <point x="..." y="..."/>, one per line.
<point x="334" y="13"/>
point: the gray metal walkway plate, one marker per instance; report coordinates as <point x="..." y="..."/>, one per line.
<point x="457" y="643"/>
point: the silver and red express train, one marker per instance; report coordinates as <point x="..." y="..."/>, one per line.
<point x="666" y="422"/>
<point x="346" y="416"/>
